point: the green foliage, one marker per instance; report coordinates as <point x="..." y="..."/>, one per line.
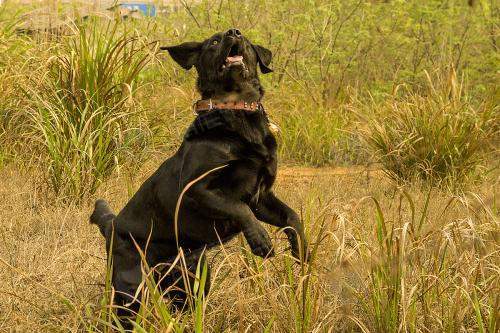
<point x="327" y="53"/>
<point x="326" y="46"/>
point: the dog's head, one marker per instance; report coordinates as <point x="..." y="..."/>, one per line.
<point x="226" y="64"/>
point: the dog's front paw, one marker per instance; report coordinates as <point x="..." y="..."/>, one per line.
<point x="259" y="241"/>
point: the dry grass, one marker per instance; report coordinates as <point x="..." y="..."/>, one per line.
<point x="440" y="275"/>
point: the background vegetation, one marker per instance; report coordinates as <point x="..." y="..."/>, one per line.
<point x="409" y="88"/>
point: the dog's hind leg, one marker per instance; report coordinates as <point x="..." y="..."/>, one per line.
<point x="182" y="278"/>
<point x="127" y="278"/>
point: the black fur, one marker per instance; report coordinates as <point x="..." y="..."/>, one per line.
<point x="226" y="202"/>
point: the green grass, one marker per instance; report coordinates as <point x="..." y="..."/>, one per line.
<point x="83" y="112"/>
<point x="311" y="135"/>
<point x="13" y="49"/>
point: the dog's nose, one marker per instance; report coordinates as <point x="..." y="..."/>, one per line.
<point x="233" y="33"/>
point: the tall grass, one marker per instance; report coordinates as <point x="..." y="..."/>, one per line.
<point x="410" y="261"/>
<point x="325" y="56"/>
<point x="436" y="135"/>
<point x="417" y="277"/>
<point x="12" y="50"/>
<point x="333" y="52"/>
<point x="83" y="113"/>
<point x="310" y="134"/>
<point x="378" y="266"/>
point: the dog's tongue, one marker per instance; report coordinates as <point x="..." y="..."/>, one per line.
<point x="234" y="59"/>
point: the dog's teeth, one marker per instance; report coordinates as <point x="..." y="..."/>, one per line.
<point x="236" y="58"/>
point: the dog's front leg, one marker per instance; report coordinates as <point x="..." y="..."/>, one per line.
<point x="217" y="205"/>
<point x="272" y="210"/>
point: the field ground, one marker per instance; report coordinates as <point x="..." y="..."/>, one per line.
<point x="52" y="257"/>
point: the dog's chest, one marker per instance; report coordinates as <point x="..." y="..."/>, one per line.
<point x="255" y="170"/>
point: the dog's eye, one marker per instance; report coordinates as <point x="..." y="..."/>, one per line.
<point x="215" y="42"/>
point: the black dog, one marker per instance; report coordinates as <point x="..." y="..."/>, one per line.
<point x="231" y="133"/>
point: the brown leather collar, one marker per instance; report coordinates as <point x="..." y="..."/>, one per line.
<point x="208" y="104"/>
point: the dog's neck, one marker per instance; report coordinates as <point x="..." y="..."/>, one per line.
<point x="247" y="91"/>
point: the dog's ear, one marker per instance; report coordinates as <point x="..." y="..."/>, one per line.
<point x="185" y="54"/>
<point x="264" y="57"/>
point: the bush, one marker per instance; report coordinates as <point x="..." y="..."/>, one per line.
<point x="83" y="114"/>
<point x="436" y="135"/>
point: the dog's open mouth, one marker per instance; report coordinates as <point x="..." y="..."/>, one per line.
<point x="234" y="57"/>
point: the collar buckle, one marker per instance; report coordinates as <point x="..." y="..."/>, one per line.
<point x="195" y="108"/>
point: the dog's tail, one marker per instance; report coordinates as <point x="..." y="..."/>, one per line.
<point x="102" y="217"/>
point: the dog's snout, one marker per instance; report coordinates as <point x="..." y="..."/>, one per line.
<point x="233" y="33"/>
